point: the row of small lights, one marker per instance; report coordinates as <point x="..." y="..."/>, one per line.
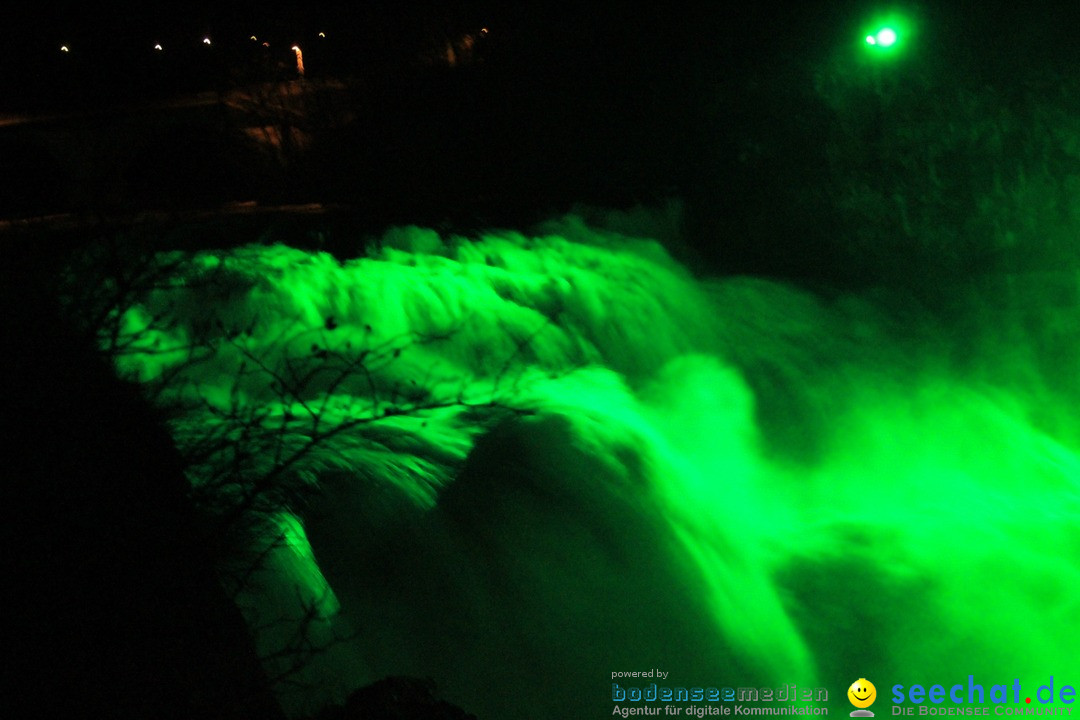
<point x="205" y="41"/>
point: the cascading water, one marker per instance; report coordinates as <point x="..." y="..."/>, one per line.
<point x="518" y="464"/>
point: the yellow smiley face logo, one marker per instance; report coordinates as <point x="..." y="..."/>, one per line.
<point x="862" y="693"/>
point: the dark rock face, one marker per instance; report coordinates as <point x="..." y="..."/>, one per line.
<point x="396" y="698"/>
<point x="111" y="607"/>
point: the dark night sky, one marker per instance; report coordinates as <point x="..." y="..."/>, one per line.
<point x="43" y="22"/>
<point x="592" y="34"/>
<point x="599" y="59"/>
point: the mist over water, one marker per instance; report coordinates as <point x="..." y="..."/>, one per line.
<point x="542" y="458"/>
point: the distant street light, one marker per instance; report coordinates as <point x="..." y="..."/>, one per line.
<point x="63" y="48"/>
<point x="299" y="60"/>
<point x="206" y="41"/>
<point x="158" y="46"/>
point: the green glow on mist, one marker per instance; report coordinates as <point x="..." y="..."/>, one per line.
<point x="729" y="479"/>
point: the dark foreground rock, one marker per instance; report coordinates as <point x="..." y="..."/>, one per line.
<point x="396" y="698"/>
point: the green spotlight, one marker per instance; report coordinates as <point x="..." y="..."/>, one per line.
<point x="884" y="38"/>
<point x="887" y="35"/>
